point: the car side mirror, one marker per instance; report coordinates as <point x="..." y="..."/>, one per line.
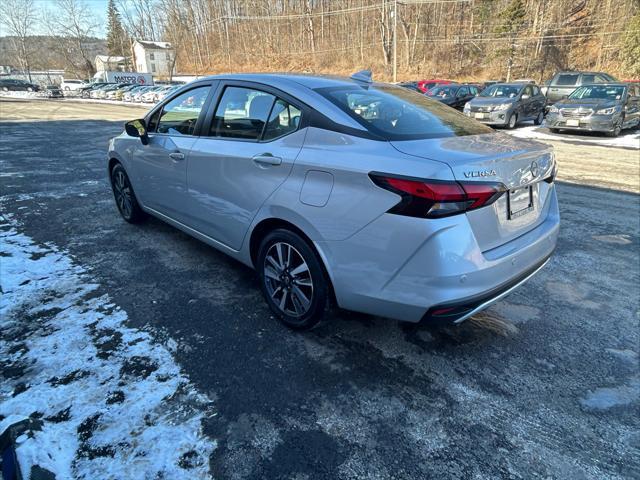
<point x="525" y="96"/>
<point x="137" y="128"/>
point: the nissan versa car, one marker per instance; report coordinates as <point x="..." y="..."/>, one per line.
<point x="343" y="190"/>
<point x="507" y="104"/>
<point x="607" y="108"/>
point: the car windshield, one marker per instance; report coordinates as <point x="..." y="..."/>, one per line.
<point x="501" y="91"/>
<point x="443" y="92"/>
<point x="395" y="113"/>
<point x="598" y="92"/>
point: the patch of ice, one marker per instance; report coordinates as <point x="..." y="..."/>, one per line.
<point x="112" y="402"/>
<point x="628" y="138"/>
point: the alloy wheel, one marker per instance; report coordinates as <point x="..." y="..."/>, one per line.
<point x="288" y="279"/>
<point x="122" y="190"/>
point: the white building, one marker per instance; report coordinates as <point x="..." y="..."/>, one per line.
<point x="157" y="58"/>
<point x="105" y="63"/>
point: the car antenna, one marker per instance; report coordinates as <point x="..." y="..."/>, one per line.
<point x="362" y="76"/>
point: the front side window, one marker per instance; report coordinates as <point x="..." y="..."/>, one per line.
<point x="463" y="92"/>
<point x="179" y="115"/>
<point x="567" y="79"/>
<point x="242" y="113"/>
<point x="528" y="91"/>
<point x="395" y="113"/>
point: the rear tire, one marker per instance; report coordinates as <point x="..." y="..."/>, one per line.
<point x="513" y="121"/>
<point x="125" y="197"/>
<point x="292" y="280"/>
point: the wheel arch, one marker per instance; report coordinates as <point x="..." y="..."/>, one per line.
<point x="266" y="225"/>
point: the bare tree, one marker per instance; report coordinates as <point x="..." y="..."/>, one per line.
<point x="74" y="26"/>
<point x="19" y="18"/>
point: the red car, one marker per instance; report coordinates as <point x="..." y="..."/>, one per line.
<point x="426" y="85"/>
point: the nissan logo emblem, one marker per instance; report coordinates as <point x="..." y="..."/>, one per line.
<point x="534" y="169"/>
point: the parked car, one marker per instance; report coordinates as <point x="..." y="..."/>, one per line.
<point x="426" y="85"/>
<point x="162" y="94"/>
<point x="85" y="92"/>
<point x="119" y="93"/>
<point x="564" y="83"/>
<point x="17" y="85"/>
<point x="411" y="86"/>
<point x="113" y="93"/>
<point x="454" y="95"/>
<point x="69" y="84"/>
<point x="150" y="95"/>
<point x="52" y="91"/>
<point x="127" y="96"/>
<point x="137" y="96"/>
<point x="507" y="104"/>
<point x="605" y="107"/>
<point x="417" y="213"/>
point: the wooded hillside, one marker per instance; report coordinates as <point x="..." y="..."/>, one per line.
<point x="438" y="38"/>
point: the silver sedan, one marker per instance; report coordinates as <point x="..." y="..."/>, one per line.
<point x="343" y="190"/>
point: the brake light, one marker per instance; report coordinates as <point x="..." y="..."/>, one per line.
<point x="437" y="198"/>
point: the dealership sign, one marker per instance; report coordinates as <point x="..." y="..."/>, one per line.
<point x="140" y="79"/>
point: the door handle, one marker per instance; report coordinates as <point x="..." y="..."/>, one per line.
<point x="267" y="159"/>
<point x="177" y="156"/>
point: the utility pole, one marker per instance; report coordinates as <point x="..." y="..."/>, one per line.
<point x="395" y="41"/>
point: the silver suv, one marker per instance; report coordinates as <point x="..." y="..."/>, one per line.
<point x="343" y="190"/>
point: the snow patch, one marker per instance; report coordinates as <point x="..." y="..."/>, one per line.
<point x="628" y="138"/>
<point x="109" y="402"/>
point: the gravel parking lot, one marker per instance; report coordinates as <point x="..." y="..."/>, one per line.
<point x="547" y="385"/>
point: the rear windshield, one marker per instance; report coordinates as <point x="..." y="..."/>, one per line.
<point x="396" y="113"/>
<point x="598" y="92"/>
<point x="501" y="91"/>
<point x="567" y="79"/>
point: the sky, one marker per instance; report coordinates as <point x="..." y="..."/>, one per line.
<point x="97" y="7"/>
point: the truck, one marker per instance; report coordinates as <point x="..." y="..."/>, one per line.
<point x="564" y="83"/>
<point x="123" y="77"/>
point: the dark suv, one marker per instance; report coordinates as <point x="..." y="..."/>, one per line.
<point x="564" y="83"/>
<point x="454" y="95"/>
<point x="14" y="84"/>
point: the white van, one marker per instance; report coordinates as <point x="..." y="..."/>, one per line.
<point x="71" y="84"/>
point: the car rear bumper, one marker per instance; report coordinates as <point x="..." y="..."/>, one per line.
<point x="403" y="268"/>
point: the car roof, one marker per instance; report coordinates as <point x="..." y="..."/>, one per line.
<point x="512" y="84"/>
<point x="311" y="81"/>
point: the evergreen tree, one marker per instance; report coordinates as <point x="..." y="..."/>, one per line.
<point x="512" y="20"/>
<point x="117" y="40"/>
<point x="630" y="51"/>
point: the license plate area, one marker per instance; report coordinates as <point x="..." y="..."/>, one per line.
<point x="519" y="202"/>
<point x="481" y="115"/>
<point x="573" y="122"/>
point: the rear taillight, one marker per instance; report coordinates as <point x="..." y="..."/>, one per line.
<point x="437" y="198"/>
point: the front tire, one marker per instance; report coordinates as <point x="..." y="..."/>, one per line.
<point x="125" y="197"/>
<point x="554" y="130"/>
<point x="539" y="119"/>
<point x="292" y="280"/>
<point x="513" y="121"/>
<point x="616" y="131"/>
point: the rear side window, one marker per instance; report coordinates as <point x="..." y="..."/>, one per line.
<point x="179" y="115"/>
<point x="536" y="90"/>
<point x="242" y="113"/>
<point x="283" y="120"/>
<point x="567" y="79"/>
<point x="395" y="113"/>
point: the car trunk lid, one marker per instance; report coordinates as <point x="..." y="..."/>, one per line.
<point x="521" y="165"/>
